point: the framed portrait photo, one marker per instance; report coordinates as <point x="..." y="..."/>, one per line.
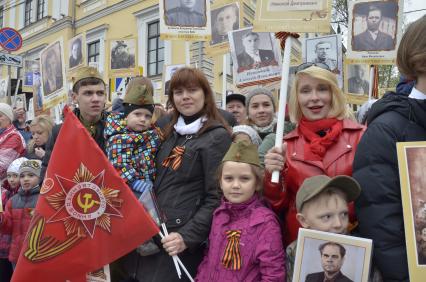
<point x="374" y="30"/>
<point x="322" y="255"/>
<point x="326" y="50"/>
<point x="256" y="57"/>
<point x="357" y="79"/>
<point x="185" y="20"/>
<point x="123" y="54"/>
<point x="168" y="72"/>
<point x="411" y="163"/>
<point x="4" y="89"/>
<point x="77" y="51"/>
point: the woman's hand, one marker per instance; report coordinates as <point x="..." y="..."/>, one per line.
<point x="275" y="158"/>
<point x="173" y="244"/>
<point x="39" y="152"/>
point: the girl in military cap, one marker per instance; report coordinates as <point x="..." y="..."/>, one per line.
<point x="245" y="241"/>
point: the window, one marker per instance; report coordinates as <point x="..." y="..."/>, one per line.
<point x="155" y="59"/>
<point x="28" y="12"/>
<point x="93" y="51"/>
<point x="1" y="16"/>
<point x="41" y="12"/>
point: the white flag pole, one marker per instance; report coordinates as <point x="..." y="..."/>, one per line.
<point x="282" y="102"/>
<point x="371" y="84"/>
<point x="224" y="75"/>
<point x="187" y="53"/>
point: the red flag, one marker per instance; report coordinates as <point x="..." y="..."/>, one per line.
<point x="85" y="217"/>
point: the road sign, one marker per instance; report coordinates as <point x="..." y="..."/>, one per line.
<point x="11" y="60"/>
<point x="10" y="39"/>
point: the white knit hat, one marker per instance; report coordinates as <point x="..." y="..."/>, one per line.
<point x="254" y="136"/>
<point x="15" y="165"/>
<point x="6" y="110"/>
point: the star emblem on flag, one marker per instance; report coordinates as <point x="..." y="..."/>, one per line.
<point x="84" y="202"/>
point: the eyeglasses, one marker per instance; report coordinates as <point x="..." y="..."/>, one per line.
<point x="304" y="66"/>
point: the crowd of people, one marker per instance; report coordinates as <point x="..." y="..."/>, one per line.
<point x="210" y="171"/>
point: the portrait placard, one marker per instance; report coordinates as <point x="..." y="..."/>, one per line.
<point x="293" y="16"/>
<point x="256" y="57"/>
<point x="123" y="57"/>
<point x="357" y="80"/>
<point x="52" y="74"/>
<point x="326" y="50"/>
<point x="374" y="31"/>
<point x="31" y="68"/>
<point x="411" y="163"/>
<point x="321" y="253"/>
<point x="4" y="90"/>
<point x="19" y="102"/>
<point x="187" y="20"/>
<point x="77" y="51"/>
<point x="226" y="16"/>
<point x="168" y="72"/>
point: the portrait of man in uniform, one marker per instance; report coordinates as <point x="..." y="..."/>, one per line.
<point x="224" y="19"/>
<point x="185" y="13"/>
<point x="323" y="51"/>
<point x="122" y="54"/>
<point x="375" y="37"/>
<point x="357" y="84"/>
<point x="51" y="63"/>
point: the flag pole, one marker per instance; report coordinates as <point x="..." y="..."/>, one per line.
<point x="187" y="52"/>
<point x="282" y="102"/>
<point x="371" y="83"/>
<point x="224" y="75"/>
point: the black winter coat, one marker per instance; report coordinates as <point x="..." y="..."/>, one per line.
<point x="187" y="197"/>
<point x="394" y="118"/>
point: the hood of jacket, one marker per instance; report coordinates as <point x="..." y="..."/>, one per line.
<point x="412" y="109"/>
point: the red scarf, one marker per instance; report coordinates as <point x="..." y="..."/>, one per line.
<point x="317" y="146"/>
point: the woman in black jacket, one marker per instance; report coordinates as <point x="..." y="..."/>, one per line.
<point x="394" y="118"/>
<point x="195" y="140"/>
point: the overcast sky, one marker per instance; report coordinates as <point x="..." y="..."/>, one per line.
<point x="412" y="5"/>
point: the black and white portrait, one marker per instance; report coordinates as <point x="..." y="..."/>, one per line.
<point x="123" y="54"/>
<point x="253" y="50"/>
<point x="323" y="256"/>
<point x="374" y="26"/>
<point x="76" y="52"/>
<point x="4" y="88"/>
<point x="224" y="19"/>
<point x="52" y="69"/>
<point x="185" y="13"/>
<point x="326" y="50"/>
<point x="357" y="79"/>
<point x="169" y="70"/>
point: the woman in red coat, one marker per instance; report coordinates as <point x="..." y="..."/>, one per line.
<point x="324" y="141"/>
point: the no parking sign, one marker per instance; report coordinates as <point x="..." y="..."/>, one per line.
<point x="10" y="39"/>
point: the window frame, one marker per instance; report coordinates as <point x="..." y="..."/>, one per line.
<point x="96" y="55"/>
<point x="157" y="50"/>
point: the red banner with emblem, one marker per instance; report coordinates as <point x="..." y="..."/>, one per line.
<point x="86" y="216"/>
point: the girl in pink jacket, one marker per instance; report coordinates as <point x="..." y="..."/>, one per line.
<point x="245" y="241"/>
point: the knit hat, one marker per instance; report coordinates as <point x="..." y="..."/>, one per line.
<point x="242" y="152"/>
<point x="86" y="72"/>
<point x="6" y="110"/>
<point x="14" y="166"/>
<point x="254" y="136"/>
<point x="139" y="94"/>
<point x="258" y="91"/>
<point x="33" y="166"/>
<point x="314" y="185"/>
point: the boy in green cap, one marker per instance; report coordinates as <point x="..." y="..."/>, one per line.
<point x="322" y="204"/>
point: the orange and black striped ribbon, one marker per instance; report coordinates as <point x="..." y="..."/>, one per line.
<point x="232" y="257"/>
<point x="175" y="158"/>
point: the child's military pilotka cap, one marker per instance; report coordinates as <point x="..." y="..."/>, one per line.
<point x="242" y="152"/>
<point x="314" y="185"/>
<point x="86" y="72"/>
<point x="32" y="166"/>
<point x="139" y="94"/>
